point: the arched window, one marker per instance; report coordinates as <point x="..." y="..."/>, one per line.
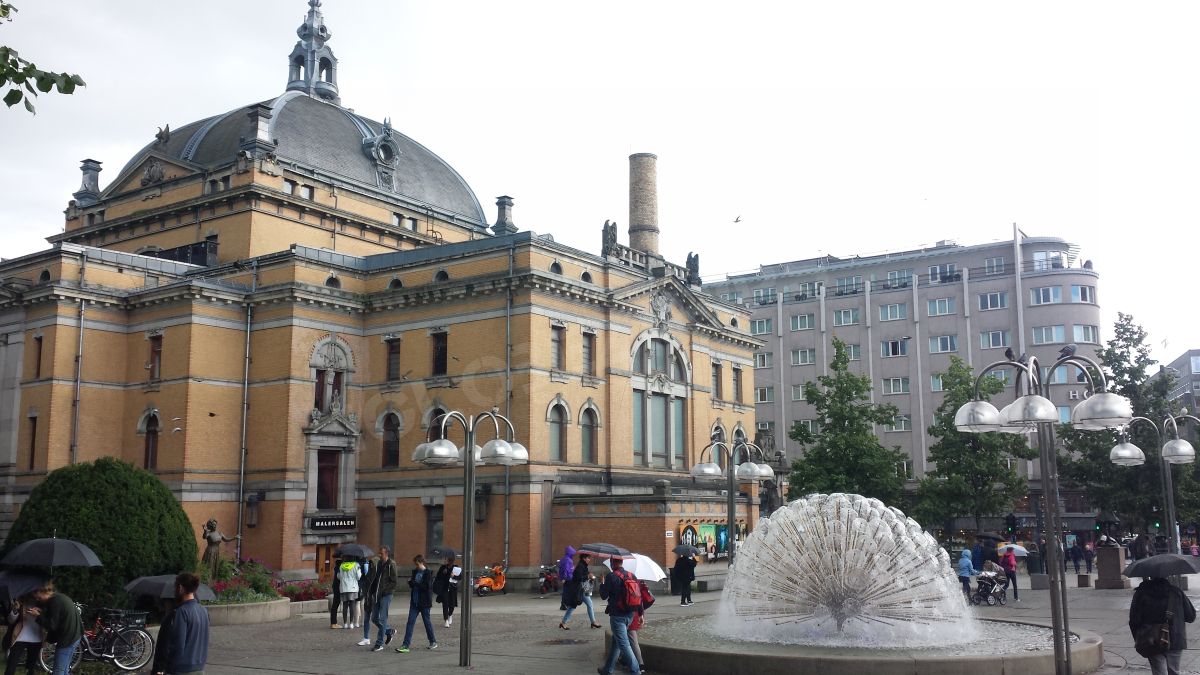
<point x="740" y="454"/>
<point x="44" y="277"/>
<point x="333" y="282"/>
<point x="150" y="460"/>
<point x="298" y="68"/>
<point x="442" y="275"/>
<point x="395" y="283"/>
<point x="326" y="70"/>
<point x="660" y="391"/>
<point x="435" y="423"/>
<point x="733" y="322"/>
<point x="718" y="434"/>
<point x="558" y="434"/>
<point x="588" y="439"/>
<point x="330" y="366"/>
<point x="391" y="441"/>
<point x="586" y="277"/>
<point x="555" y="268"/>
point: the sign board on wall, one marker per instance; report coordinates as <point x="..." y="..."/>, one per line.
<point x="333" y="522"/>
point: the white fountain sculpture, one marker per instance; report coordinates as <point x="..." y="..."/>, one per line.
<point x="842" y="569"/>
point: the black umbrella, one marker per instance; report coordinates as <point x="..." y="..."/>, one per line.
<point x="52" y="552"/>
<point x="163" y="586"/>
<point x="686" y="549"/>
<point x="1162" y="565"/>
<point x="442" y="552"/>
<point x="354" y="551"/>
<point x="990" y="535"/>
<point x="15" y="583"/>
<point x="606" y="551"/>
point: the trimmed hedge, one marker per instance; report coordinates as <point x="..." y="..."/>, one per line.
<point x="126" y="515"/>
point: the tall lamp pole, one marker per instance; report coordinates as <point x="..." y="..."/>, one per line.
<point x="1101" y="410"/>
<point x="747" y="471"/>
<point x="1175" y="451"/>
<point x="497" y="451"/>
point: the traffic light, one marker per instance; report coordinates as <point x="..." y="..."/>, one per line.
<point x="1097" y="527"/>
<point x="1157" y="524"/>
<point x="1010" y="521"/>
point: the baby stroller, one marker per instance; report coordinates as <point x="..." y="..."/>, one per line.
<point x="992" y="588"/>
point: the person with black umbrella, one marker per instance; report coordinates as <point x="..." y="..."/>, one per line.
<point x="682" y="575"/>
<point x="1156" y="602"/>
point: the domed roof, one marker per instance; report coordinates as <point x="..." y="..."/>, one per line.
<point x="332" y="140"/>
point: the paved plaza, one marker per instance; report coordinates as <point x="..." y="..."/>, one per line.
<point x="518" y="633"/>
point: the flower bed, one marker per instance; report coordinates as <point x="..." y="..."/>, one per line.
<point x="300" y="591"/>
<point x="251" y="581"/>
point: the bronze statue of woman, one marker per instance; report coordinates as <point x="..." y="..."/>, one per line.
<point x="212" y="552"/>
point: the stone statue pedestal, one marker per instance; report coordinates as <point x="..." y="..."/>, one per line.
<point x="1039" y="582"/>
<point x="1110" y="560"/>
<point x="1083" y="580"/>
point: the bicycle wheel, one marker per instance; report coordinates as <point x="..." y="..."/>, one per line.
<point x="132" y="648"/>
<point x="46" y="657"/>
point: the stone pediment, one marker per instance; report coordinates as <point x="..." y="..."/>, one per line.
<point x="667" y="300"/>
<point x="335" y="423"/>
<point x="153" y="170"/>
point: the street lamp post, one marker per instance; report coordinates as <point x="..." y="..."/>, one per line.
<point x="497" y="451"/>
<point x="1176" y="451"/>
<point x="747" y="471"/>
<point x="1101" y="410"/>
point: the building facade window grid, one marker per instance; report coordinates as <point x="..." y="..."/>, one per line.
<point x="994" y="300"/>
<point x="941" y="307"/>
<point x="895" y="385"/>
<point x="899" y="423"/>
<point x="440" y="351"/>
<point x="558" y="348"/>
<point x="156" y="351"/>
<point x="762" y="360"/>
<point x="390" y="447"/>
<point x="943" y="344"/>
<point x="993" y="339"/>
<point x="1045" y="335"/>
<point x="993" y="266"/>
<point x="1089" y="334"/>
<point x="845" y="317"/>
<point x="393" y="359"/>
<point x="760" y="326"/>
<point x="558" y="434"/>
<point x="1081" y="293"/>
<point x="890" y="348"/>
<point x="588" y="348"/>
<point x="893" y="312"/>
<point x="737" y="384"/>
<point x="853" y="352"/>
<point x="716" y="382"/>
<point x="588" y="436"/>
<point x="764" y="394"/>
<point x="1045" y="295"/>
<point x="803" y="321"/>
<point x="804" y="357"/>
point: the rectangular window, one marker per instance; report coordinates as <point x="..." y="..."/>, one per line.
<point x="1045" y="335"/>
<point x="1064" y="414"/>
<point x="893" y="312"/>
<point x="899" y="423"/>
<point x="589" y="354"/>
<point x="905" y="468"/>
<point x="679" y="422"/>
<point x="935" y="383"/>
<point x="1001" y="375"/>
<point x="155" y="365"/>
<point x="809" y="425"/>
<point x="213" y="186"/>
<point x="798" y="393"/>
<point x="941" y="306"/>
<point x="944" y="273"/>
<point x="226" y="183"/>
<point x="849" y="285"/>
<point x="387" y="527"/>
<point x="1058" y="376"/>
<point x="1196" y="386"/>
<point x="737" y="384"/>
<point x="440" y="348"/>
<point x="1083" y="294"/>
<point x="289" y="187"/>
<point x="1087" y="334"/>
<point x="895" y="385"/>
<point x="1046" y="260"/>
<point x="393" y="359"/>
<point x="639" y="424"/>
<point x="435" y="526"/>
<point x="1045" y="295"/>
<point x="853" y="352"/>
<point x="998" y="300"/>
<point x="32" y="441"/>
<point x="397" y="219"/>
<point x="764" y="394"/>
<point x="306" y="192"/>
<point x="804" y="321"/>
<point x="558" y="348"/>
<point x="658" y="430"/>
<point x="993" y="266"/>
<point x="899" y="278"/>
<point x="1195" y="365"/>
<point x="808" y="289"/>
<point x="845" y="317"/>
<point x="413" y="225"/>
<point x="764" y="296"/>
<point x="37" y="357"/>
<point x="942" y="344"/>
<point x="804" y="357"/>
<point x="894" y="348"/>
<point x="328" y="477"/>
<point x="716" y="381"/>
<point x="760" y="326"/>
<point x="762" y="360"/>
<point x="993" y="339"/>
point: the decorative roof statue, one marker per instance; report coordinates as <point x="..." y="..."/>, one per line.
<point x="693" y="269"/>
<point x="608" y="244"/>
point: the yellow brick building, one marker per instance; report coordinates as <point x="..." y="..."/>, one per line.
<point x="270" y="308"/>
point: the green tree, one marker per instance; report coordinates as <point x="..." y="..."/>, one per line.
<point x="23" y="79"/>
<point x="971" y="476"/>
<point x="126" y="515"/>
<point x="844" y="455"/>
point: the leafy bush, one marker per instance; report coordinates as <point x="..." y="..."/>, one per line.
<point x="252" y="581"/>
<point x="298" y="591"/>
<point x="126" y="515"/>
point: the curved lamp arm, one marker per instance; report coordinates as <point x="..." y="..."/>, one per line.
<point x="1006" y="364"/>
<point x="716" y="444"/>
<point x="1157" y="433"/>
<point x="1174" y="423"/>
<point x="454" y="414"/>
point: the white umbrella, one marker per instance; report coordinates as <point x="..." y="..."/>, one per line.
<point x="642" y="567"/>
<point x="1018" y="550"/>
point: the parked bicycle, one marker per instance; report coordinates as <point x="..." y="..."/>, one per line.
<point x="118" y="636"/>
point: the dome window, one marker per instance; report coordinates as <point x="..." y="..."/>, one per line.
<point x="442" y="275"/>
<point x="332" y="282"/>
<point x="586" y="277"/>
<point x="733" y="322"/>
<point x="44" y="277"/>
<point x="555" y="268"/>
<point x="395" y="283"/>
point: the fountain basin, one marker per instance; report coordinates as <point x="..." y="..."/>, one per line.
<point x="689" y="646"/>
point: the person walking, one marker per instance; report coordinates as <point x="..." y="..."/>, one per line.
<point x="620" y="616"/>
<point x="420" y="600"/>
<point x="445" y="588"/>
<point x="335" y="597"/>
<point x="24" y="638"/>
<point x="1076" y="555"/>
<point x="977" y="554"/>
<point x="386" y="578"/>
<point x="349" y="574"/>
<point x="58" y="616"/>
<point x="1152" y="601"/>
<point x="566" y="569"/>
<point x="682" y="575"/>
<point x="186" y="639"/>
<point x="965" y="571"/>
<point x="368" y="588"/>
<point x="578" y="591"/>
<point x="1089" y="555"/>
<point x="1009" y="563"/>
<point x="162" y="657"/>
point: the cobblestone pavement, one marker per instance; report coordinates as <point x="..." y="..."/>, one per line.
<point x="518" y="633"/>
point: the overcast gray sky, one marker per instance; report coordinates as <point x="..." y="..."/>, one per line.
<point x="829" y="127"/>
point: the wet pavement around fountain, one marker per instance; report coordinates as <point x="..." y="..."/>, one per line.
<point x="518" y="633"/>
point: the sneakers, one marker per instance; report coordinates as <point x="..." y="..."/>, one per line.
<point x="447" y="623"/>
<point x="387" y="635"/>
<point x="334" y="625"/>
<point x="402" y="650"/>
<point x="364" y="642"/>
<point x="449" y="619"/>
<point x="433" y="646"/>
<point x="377" y="648"/>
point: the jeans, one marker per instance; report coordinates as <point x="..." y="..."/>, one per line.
<point x="62" y="658"/>
<point x="619" y="624"/>
<point x="966" y="583"/>
<point x="380" y="618"/>
<point x="1012" y="582"/>
<point x="413" y="611"/>
<point x="587" y="601"/>
<point x="30" y="651"/>
<point x="1165" y="664"/>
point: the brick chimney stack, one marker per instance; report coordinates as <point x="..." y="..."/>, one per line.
<point x="643" y="202"/>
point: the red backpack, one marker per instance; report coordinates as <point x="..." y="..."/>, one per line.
<point x="629" y="595"/>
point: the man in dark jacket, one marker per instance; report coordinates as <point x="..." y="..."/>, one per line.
<point x="1151" y="602"/>
<point x="187" y="639"/>
<point x="58" y="615"/>
<point x="619" y="618"/>
<point x="420" y="600"/>
<point x="385" y="578"/>
<point x="682" y="575"/>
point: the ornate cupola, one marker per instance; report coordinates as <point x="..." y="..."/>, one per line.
<point x="312" y="67"/>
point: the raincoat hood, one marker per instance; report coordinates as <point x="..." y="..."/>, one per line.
<point x="966" y="553"/>
<point x="566" y="564"/>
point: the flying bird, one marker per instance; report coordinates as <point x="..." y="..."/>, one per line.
<point x="738" y="219"/>
<point x="1069" y="350"/>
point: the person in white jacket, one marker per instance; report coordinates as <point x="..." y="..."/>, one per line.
<point x="348" y="574"/>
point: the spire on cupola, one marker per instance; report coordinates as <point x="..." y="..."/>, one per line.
<point x="312" y="67"/>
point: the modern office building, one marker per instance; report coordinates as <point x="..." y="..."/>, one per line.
<point x="903" y="315"/>
<point x="1186" y="390"/>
